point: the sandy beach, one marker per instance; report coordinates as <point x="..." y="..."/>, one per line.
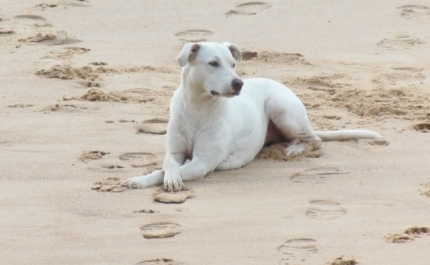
<point x="85" y="87"/>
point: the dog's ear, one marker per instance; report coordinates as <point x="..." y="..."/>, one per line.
<point x="188" y="53"/>
<point x="237" y="54"/>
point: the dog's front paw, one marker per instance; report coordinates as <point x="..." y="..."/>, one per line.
<point x="173" y="181"/>
<point x="135" y="183"/>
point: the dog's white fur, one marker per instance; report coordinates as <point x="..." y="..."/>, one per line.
<point x="217" y="129"/>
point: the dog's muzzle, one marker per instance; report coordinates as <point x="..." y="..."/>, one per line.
<point x="236" y="87"/>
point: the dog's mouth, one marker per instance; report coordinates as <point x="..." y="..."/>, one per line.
<point x="227" y="95"/>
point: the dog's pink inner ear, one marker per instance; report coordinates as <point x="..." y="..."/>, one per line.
<point x="237" y="54"/>
<point x="188" y="53"/>
<point x="193" y="52"/>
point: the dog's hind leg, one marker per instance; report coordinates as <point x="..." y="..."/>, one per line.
<point x="289" y="116"/>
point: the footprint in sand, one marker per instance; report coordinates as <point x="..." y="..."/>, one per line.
<point x="112" y="184"/>
<point x="153" y="126"/>
<point x="379" y="142"/>
<point x="107" y="167"/>
<point x="66" y="108"/>
<point x="298" y="249"/>
<point x="383" y="101"/>
<point x="45" y="6"/>
<point x="194" y="35"/>
<point x="146" y="211"/>
<point x="150" y="162"/>
<point x="344" y="261"/>
<point x="147" y="93"/>
<point x="414" y="11"/>
<point x="125" y="121"/>
<point x="4" y="32"/>
<point x="140" y="159"/>
<point x="178" y="197"/>
<point x="324" y="210"/>
<point x="408" y="235"/>
<point x="96" y="94"/>
<point x="411" y="69"/>
<point x="399" y="238"/>
<point x="399" y="41"/>
<point x="69" y="52"/>
<point x="87" y="84"/>
<point x="61" y="38"/>
<point x="66" y="72"/>
<point x="92" y="155"/>
<point x="400" y="76"/>
<point x="159" y="262"/>
<point x="316" y="175"/>
<point x="160" y="230"/>
<point x="20" y="106"/>
<point x="248" y="9"/>
<point x="282" y="58"/>
<point x="417" y="231"/>
<point x="332" y="117"/>
<point x="422" y="127"/>
<point x="426" y="193"/>
<point x="248" y="55"/>
<point x="41" y="19"/>
<point x="34" y="17"/>
<point x="318" y="83"/>
<point x="112" y="167"/>
<point x="76" y="3"/>
<point x="121" y="121"/>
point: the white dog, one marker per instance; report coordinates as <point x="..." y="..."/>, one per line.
<point x="220" y="122"/>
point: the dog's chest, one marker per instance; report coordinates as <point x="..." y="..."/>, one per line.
<point x="195" y="134"/>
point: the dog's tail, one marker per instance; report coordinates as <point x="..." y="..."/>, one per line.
<point x="342" y="135"/>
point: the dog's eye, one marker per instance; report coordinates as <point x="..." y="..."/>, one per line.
<point x="214" y="64"/>
<point x="234" y="65"/>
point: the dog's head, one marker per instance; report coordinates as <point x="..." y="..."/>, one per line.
<point x="210" y="66"/>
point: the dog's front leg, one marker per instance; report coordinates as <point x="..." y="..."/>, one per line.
<point x="140" y="182"/>
<point x="174" y="179"/>
<point x="172" y="175"/>
<point x="208" y="151"/>
<point x="158" y="176"/>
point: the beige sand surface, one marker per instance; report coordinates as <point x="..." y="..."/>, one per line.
<point x="84" y="94"/>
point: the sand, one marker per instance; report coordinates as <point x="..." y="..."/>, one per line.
<point x="84" y="100"/>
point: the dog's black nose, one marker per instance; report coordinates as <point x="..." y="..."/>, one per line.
<point x="237" y="84"/>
